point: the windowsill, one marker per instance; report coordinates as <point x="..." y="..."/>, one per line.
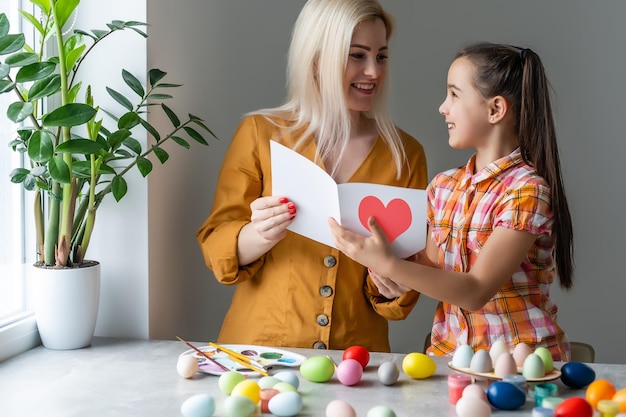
<point x="18" y="337"/>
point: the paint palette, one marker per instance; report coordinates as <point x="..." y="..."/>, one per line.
<point x="268" y="357"/>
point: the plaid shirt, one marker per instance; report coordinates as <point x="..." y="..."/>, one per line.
<point x="463" y="209"/>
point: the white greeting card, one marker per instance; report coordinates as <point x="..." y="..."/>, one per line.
<point x="400" y="212"/>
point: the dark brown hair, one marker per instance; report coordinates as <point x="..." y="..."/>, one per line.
<point x="518" y="75"/>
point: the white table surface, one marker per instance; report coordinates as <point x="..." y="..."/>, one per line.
<point x="124" y="377"/>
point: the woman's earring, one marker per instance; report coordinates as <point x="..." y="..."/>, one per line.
<point x="491" y="120"/>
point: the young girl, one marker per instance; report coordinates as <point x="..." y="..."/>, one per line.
<point x="500" y="228"/>
<point x="291" y="290"/>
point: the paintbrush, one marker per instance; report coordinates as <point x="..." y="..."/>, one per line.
<point x="222" y="367"/>
<point x="241" y="359"/>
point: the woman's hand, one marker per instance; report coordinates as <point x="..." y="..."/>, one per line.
<point x="373" y="252"/>
<point x="387" y="287"/>
<point x="269" y="221"/>
<point x="271" y="216"/>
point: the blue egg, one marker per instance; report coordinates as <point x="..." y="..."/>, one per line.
<point x="505" y="396"/>
<point x="577" y="375"/>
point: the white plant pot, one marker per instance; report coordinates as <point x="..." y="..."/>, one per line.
<point x="66" y="305"/>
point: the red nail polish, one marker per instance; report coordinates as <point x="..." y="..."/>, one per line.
<point x="292" y="211"/>
<point x="292" y="217"/>
<point x="282" y="200"/>
<point x="291" y="206"/>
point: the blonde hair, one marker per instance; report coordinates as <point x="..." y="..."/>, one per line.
<point x="318" y="55"/>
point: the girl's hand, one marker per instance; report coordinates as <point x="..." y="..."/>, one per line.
<point x="373" y="252"/>
<point x="387" y="287"/>
<point x="271" y="216"/>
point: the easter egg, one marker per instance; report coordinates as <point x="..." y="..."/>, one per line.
<point x="481" y="362"/>
<point x="546" y="357"/>
<point x="237" y="406"/>
<point x="266" y="395"/>
<point x="520" y="352"/>
<point x="577" y="374"/>
<point x="288" y="376"/>
<point x="248" y="388"/>
<point x="472" y="407"/>
<point x="600" y="389"/>
<point x="285" y="404"/>
<point x="608" y="407"/>
<point x="267" y="381"/>
<point x="339" y="408"/>
<point x="317" y="368"/>
<point x="381" y="411"/>
<point x="505" y="365"/>
<point x="620" y="398"/>
<point x="187" y="366"/>
<point x="228" y="380"/>
<point x="505" y="396"/>
<point x="388" y="373"/>
<point x="199" y="405"/>
<point x="573" y="407"/>
<point x="358" y="353"/>
<point x="349" y="372"/>
<point x="462" y="356"/>
<point x="474" y="390"/>
<point x="418" y="365"/>
<point x="533" y="367"/>
<point x="283" y="386"/>
<point x="497" y="348"/>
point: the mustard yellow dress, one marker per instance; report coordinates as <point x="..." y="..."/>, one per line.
<point x="301" y="293"/>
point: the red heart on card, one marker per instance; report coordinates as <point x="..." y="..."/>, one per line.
<point x="394" y="219"/>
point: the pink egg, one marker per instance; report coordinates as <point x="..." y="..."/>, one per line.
<point x="505" y="365"/>
<point x="520" y="352"/>
<point x="339" y="408"/>
<point x="472" y="407"/>
<point x="349" y="371"/>
<point x="475" y="391"/>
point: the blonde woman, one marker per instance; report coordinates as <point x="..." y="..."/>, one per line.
<point x="293" y="291"/>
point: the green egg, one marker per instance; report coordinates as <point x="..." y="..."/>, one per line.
<point x="318" y="368"/>
<point x="546" y="357"/>
<point x="228" y="380"/>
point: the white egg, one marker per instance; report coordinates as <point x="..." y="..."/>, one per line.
<point x="520" y="352"/>
<point x="187" y="366"/>
<point x="462" y="356"/>
<point x="474" y="390"/>
<point x="288" y="376"/>
<point x="505" y="365"/>
<point x="339" y="408"/>
<point x="199" y="405"/>
<point x="285" y="404"/>
<point x="497" y="348"/>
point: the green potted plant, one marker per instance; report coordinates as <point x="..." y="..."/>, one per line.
<point x="77" y="153"/>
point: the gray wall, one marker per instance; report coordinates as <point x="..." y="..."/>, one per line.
<point x="230" y="54"/>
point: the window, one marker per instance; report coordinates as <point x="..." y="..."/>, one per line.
<point x="16" y="323"/>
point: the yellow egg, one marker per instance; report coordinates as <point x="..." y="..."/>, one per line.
<point x="248" y="388"/>
<point x="620" y="398"/>
<point x="418" y="365"/>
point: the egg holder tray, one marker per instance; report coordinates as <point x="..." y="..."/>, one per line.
<point x="268" y="357"/>
<point x="550" y="376"/>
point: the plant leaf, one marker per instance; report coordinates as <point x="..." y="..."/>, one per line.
<point x="64" y="9"/>
<point x="133" y="83"/>
<point x="41" y="146"/>
<point x="133" y="144"/>
<point x="19" y="111"/>
<point x="18" y="175"/>
<point x="155" y="75"/>
<point x="161" y="154"/>
<point x="44" y="5"/>
<point x="79" y="146"/>
<point x="33" y="21"/>
<point x="128" y="120"/>
<point x="150" y="129"/>
<point x="4" y="25"/>
<point x="4" y="70"/>
<point x="58" y="169"/>
<point x="20" y="59"/>
<point x="72" y="114"/>
<point x="120" y="98"/>
<point x="182" y="142"/>
<point x="73" y="56"/>
<point x="118" y="187"/>
<point x="195" y="135"/>
<point x="159" y="96"/>
<point x="116" y="138"/>
<point x="6" y="85"/>
<point x="35" y="71"/>
<point x="172" y="116"/>
<point x="45" y="87"/>
<point x="144" y="165"/>
<point x="11" y="43"/>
